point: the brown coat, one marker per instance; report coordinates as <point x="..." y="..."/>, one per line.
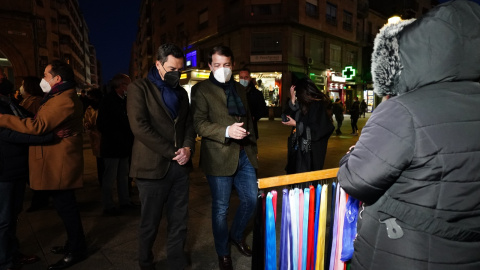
<point x="157" y="135"/>
<point x="59" y="165"/>
<point x="31" y="103"/>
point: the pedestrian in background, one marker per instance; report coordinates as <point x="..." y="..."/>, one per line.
<point x="363" y="108"/>
<point x="58" y="167"/>
<point x="116" y="145"/>
<point x="90" y="124"/>
<point x="228" y="154"/>
<point x="415" y="167"/>
<point x="161" y="120"/>
<point x="354" y="115"/>
<point x="338" y="110"/>
<point x="255" y="99"/>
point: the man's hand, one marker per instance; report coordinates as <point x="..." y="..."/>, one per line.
<point x="236" y="131"/>
<point x="182" y="155"/>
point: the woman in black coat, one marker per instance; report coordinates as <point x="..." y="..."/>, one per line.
<point x="312" y="126"/>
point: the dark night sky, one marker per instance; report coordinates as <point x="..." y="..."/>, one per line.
<point x="113" y="28"/>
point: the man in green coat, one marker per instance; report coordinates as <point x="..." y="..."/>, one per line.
<point x="228" y="154"/>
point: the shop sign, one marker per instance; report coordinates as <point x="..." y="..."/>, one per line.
<point x="266" y="58"/>
<point x="348" y="72"/>
<point x="336" y="78"/>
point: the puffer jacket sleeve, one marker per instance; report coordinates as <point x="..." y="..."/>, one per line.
<point x="383" y="151"/>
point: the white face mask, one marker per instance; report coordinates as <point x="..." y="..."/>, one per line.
<point x="244" y="82"/>
<point x="45" y="86"/>
<point x="222" y="74"/>
<point x="22" y="90"/>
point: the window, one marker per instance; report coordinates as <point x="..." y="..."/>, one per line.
<point x="351" y="59"/>
<point x="272" y="9"/>
<point x="41" y="32"/>
<point x="163" y="18"/>
<point x="297" y="45"/>
<point x="203" y="19"/>
<point x="335" y="55"/>
<point x="347" y="21"/>
<point x="180" y="31"/>
<point x="331" y="15"/>
<point x="163" y="38"/>
<point x="42" y="63"/>
<point x="317" y="50"/>
<point x="179" y="6"/>
<point x="311" y="8"/>
<point x="55" y="48"/>
<point x="266" y="43"/>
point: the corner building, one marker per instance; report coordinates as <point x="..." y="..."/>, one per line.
<point x="35" y="32"/>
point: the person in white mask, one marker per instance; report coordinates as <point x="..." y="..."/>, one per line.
<point x="228" y="154"/>
<point x="258" y="107"/>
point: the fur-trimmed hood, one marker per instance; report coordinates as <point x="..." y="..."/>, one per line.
<point x="441" y="46"/>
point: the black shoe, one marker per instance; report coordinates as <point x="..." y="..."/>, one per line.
<point x="225" y="262"/>
<point x="58" y="250"/>
<point x="67" y="261"/>
<point x="131" y="206"/>
<point x="111" y="212"/>
<point x="242" y="247"/>
<point x="23" y="259"/>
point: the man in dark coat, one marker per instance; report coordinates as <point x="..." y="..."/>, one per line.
<point x="354" y="115"/>
<point x="416" y="166"/>
<point x="116" y="144"/>
<point x="257" y="104"/>
<point x="338" y="112"/>
<point x="161" y="120"/>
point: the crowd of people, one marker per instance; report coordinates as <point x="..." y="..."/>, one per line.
<point x="147" y="135"/>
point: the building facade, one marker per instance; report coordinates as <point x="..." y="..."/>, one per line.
<point x="278" y="40"/>
<point x="35" y="32"/>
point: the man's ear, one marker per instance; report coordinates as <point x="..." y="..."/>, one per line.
<point x="59" y="78"/>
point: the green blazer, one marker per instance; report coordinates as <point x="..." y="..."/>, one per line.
<point x="219" y="155"/>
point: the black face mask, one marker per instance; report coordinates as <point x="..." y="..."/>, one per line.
<point x="171" y="78"/>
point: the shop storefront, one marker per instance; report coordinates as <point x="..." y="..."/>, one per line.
<point x="336" y="86"/>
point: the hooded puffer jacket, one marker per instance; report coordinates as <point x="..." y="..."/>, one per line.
<point x="417" y="163"/>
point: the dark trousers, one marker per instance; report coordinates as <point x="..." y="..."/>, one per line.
<point x="67" y="208"/>
<point x="354" y="124"/>
<point x="11" y="200"/>
<point x="171" y="190"/>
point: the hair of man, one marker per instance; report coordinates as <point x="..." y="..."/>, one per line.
<point x="169" y="49"/>
<point x="221" y="50"/>
<point x="62" y="69"/>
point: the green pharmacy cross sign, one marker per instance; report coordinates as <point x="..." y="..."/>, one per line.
<point x="348" y="72"/>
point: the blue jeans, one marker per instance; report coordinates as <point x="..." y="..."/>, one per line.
<point x="245" y="182"/>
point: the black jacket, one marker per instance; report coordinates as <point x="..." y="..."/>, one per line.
<point x="418" y="157"/>
<point x="14" y="148"/>
<point x="112" y="122"/>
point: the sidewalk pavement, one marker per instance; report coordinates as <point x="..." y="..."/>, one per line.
<point x="112" y="241"/>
